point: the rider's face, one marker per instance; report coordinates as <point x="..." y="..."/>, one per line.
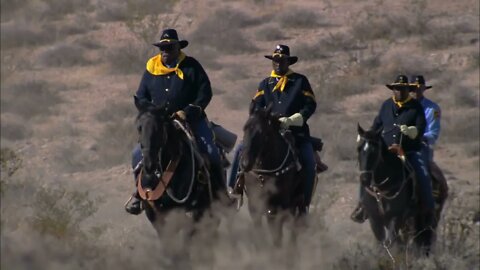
<point x="280" y="65"/>
<point x="417" y="92"/>
<point x="170" y="53"/>
<point x="400" y="94"/>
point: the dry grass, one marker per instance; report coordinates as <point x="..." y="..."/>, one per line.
<point x="269" y="32"/>
<point x="64" y="55"/>
<point x="30" y="99"/>
<point x="22" y="34"/>
<point x="224" y="25"/>
<point x="297" y="17"/>
<point x="129" y="57"/>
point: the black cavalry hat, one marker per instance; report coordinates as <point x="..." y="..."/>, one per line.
<point x="401" y="82"/>
<point x="282" y="51"/>
<point x="168" y="37"/>
<point x="419" y="80"/>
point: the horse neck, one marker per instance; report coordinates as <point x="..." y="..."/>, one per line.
<point x="388" y="165"/>
<point x="274" y="151"/>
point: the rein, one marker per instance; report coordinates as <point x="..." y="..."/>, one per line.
<point x="279" y="170"/>
<point x="374" y="189"/>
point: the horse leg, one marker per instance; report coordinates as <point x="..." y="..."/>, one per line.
<point x="424" y="233"/>
<point x="376" y="224"/>
<point x="275" y="223"/>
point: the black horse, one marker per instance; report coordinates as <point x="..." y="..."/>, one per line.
<point x="389" y="193"/>
<point x="174" y="174"/>
<point x="269" y="167"/>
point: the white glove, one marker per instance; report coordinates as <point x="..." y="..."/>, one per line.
<point x="181" y="114"/>
<point x="295" y="119"/>
<point x="410" y="131"/>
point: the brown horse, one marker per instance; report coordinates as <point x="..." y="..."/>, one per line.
<point x="269" y="167"/>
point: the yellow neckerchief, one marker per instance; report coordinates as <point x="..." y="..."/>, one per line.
<point x="282" y="81"/>
<point x="156" y="67"/>
<point x="400" y="104"/>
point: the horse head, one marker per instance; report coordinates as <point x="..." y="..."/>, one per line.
<point x="259" y="130"/>
<point x="370" y="149"/>
<point x="152" y="126"/>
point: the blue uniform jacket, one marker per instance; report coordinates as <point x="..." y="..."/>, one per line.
<point x="432" y="116"/>
<point x="191" y="94"/>
<point x="391" y="116"/>
<point x="297" y="97"/>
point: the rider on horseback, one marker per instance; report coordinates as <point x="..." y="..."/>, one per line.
<point x="403" y="122"/>
<point x="432" y="131"/>
<point x="181" y="84"/>
<point x="292" y="98"/>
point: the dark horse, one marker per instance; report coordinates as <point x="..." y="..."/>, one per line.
<point x="269" y="166"/>
<point x="389" y="193"/>
<point x="174" y="174"/>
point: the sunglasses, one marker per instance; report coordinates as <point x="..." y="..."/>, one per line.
<point x="167" y="47"/>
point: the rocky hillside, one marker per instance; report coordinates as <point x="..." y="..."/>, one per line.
<point x="69" y="70"/>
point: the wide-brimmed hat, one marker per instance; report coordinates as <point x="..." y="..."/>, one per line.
<point x="418" y="81"/>
<point x="282" y="51"/>
<point x="401" y="82"/>
<point x="168" y="37"/>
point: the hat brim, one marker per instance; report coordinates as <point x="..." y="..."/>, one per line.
<point x="414" y="85"/>
<point x="291" y="59"/>
<point x="183" y="43"/>
<point x="398" y="86"/>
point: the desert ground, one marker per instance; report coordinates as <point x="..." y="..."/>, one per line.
<point x="69" y="70"/>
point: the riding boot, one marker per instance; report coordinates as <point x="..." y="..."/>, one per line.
<point x="134" y="204"/>
<point x="358" y="215"/>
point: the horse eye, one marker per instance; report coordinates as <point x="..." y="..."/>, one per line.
<point x="139" y="128"/>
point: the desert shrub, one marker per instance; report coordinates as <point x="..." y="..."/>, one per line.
<point x="454" y="131"/>
<point x="10" y="162"/>
<point x="440" y="37"/>
<point x="108" y="11"/>
<point x="9" y="9"/>
<point x="116" y="142"/>
<point x="269" y="33"/>
<point x="129" y="57"/>
<point x="57" y="9"/>
<point x="300" y="18"/>
<point x="117" y="111"/>
<point x="58" y="212"/>
<point x="206" y="55"/>
<point x="309" y="52"/>
<point x="379" y="24"/>
<point x="24" y="34"/>
<point x="224" y="25"/>
<point x="63" y="55"/>
<point x="13" y="127"/>
<point x="142" y="8"/>
<point x="30" y="99"/>
<point x="240" y="98"/>
<point x="465" y="97"/>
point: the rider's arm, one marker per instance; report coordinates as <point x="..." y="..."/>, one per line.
<point x="377" y="122"/>
<point x="420" y="122"/>
<point x="432" y="130"/>
<point x="309" y="103"/>
<point x="203" y="92"/>
<point x="258" y="100"/>
<point x="142" y="93"/>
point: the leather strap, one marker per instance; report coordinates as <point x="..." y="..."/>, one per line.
<point x="152" y="195"/>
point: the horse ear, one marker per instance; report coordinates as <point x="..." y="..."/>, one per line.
<point x="360" y="130"/>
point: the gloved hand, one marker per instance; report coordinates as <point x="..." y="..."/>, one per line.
<point x="295" y="119"/>
<point x="410" y="131"/>
<point x="181" y="114"/>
